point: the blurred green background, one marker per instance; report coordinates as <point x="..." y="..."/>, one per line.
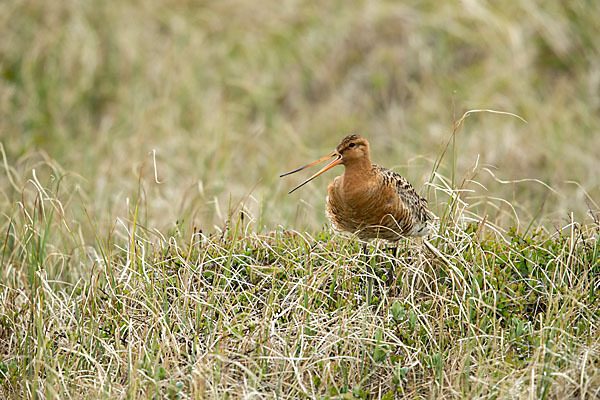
<point x="232" y="93"/>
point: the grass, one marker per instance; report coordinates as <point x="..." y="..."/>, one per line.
<point x="149" y="249"/>
<point x="231" y="95"/>
<point x="143" y="314"/>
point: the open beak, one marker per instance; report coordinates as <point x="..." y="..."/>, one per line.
<point x="332" y="164"/>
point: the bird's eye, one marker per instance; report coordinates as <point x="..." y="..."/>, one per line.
<point x="351" y="145"/>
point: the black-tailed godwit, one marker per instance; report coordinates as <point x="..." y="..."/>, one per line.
<point x="368" y="200"/>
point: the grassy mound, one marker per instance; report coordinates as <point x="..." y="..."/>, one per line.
<point x="467" y="312"/>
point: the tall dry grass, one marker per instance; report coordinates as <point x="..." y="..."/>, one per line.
<point x="229" y="94"/>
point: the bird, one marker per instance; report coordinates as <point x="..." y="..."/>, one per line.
<point x="369" y="200"/>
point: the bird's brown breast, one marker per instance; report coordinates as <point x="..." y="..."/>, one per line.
<point x="369" y="207"/>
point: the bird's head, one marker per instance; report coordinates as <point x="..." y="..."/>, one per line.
<point x="352" y="149"/>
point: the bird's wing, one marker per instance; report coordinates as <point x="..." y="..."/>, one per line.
<point x="409" y="196"/>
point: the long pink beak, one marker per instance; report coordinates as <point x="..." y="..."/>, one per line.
<point x="332" y="164"/>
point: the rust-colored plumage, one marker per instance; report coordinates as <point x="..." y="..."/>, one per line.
<point x="369" y="200"/>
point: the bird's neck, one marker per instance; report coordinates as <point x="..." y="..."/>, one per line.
<point x="357" y="174"/>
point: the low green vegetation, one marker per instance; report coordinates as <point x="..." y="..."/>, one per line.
<point x="465" y="313"/>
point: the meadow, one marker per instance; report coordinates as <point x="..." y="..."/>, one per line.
<point x="149" y="248"/>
